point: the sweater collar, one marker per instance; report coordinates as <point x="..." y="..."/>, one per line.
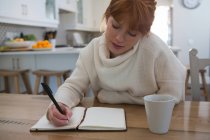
<point x="104" y="54"/>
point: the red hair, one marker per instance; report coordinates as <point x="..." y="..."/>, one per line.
<point x="137" y="14"/>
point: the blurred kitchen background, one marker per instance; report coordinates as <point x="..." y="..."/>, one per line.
<point x="76" y="22"/>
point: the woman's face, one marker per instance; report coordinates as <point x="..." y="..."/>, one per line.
<point x="119" y="39"/>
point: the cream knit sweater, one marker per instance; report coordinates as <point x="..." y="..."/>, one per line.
<point x="149" y="68"/>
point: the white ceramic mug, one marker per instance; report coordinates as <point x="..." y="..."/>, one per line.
<point x="159" y="110"/>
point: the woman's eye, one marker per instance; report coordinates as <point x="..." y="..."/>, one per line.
<point x="132" y="34"/>
<point x="115" y="26"/>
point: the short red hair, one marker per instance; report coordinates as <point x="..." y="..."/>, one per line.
<point x="138" y="14"/>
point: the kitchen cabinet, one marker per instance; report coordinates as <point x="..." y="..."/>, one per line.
<point x="29" y="12"/>
<point x="88" y="16"/>
<point x="81" y="20"/>
<point x="98" y="11"/>
<point x="15" y="62"/>
<point x="68" y="5"/>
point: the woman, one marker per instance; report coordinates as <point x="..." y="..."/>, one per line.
<point x="124" y="64"/>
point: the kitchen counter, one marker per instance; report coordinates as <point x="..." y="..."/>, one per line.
<point x="68" y="50"/>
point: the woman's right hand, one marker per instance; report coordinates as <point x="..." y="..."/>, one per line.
<point x="58" y="119"/>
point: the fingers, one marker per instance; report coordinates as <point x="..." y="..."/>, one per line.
<point x="58" y="119"/>
<point x="67" y="111"/>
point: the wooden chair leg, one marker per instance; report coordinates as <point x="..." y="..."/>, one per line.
<point x="16" y="81"/>
<point x="6" y="84"/>
<point x="46" y="79"/>
<point x="59" y="80"/>
<point x="66" y="75"/>
<point x="36" y="87"/>
<point x="26" y="82"/>
<point x="204" y="85"/>
<point x="187" y="83"/>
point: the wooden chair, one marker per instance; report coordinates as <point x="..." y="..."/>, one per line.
<point x="197" y="64"/>
<point x="203" y="82"/>
<point x="16" y="74"/>
<point x="46" y="74"/>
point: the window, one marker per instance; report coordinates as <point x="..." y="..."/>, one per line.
<point x="162" y="23"/>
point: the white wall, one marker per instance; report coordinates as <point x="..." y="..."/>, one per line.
<point x="164" y="2"/>
<point x="191" y="29"/>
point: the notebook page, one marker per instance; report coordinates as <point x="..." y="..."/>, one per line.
<point x="103" y="118"/>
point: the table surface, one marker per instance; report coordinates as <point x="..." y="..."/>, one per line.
<point x="18" y="112"/>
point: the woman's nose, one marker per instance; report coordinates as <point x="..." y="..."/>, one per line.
<point x="120" y="37"/>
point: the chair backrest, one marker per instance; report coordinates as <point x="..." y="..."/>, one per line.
<point x="195" y="65"/>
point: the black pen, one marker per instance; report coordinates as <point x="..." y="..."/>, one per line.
<point x="49" y="93"/>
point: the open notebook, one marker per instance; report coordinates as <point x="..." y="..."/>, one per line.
<point x="93" y="118"/>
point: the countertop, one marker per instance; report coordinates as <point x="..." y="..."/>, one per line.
<point x="67" y="50"/>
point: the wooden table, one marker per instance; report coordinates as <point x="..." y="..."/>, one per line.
<point x="190" y="121"/>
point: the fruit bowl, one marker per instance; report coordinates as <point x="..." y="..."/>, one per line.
<point x="42" y="45"/>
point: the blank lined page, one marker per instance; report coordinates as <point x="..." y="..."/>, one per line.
<point x="103" y="118"/>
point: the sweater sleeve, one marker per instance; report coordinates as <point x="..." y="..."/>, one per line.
<point x="74" y="88"/>
<point x="170" y="75"/>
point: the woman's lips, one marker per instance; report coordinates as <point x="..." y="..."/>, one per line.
<point x="116" y="46"/>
